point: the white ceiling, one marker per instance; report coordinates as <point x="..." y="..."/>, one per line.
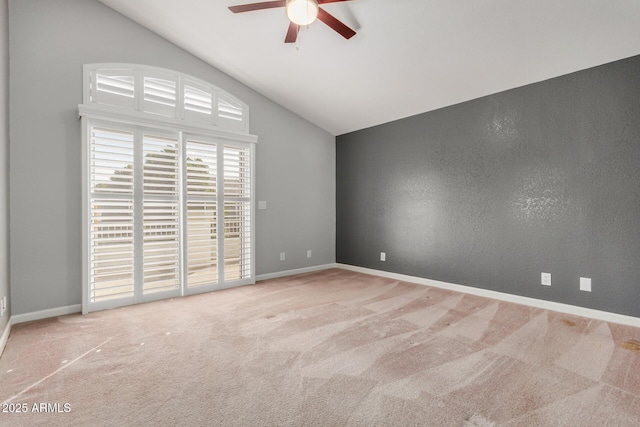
<point x="409" y="56"/>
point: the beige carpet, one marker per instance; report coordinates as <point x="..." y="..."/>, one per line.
<point x="327" y="348"/>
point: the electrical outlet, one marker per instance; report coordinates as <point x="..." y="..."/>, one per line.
<point x="309" y="253"/>
<point x="545" y="279"/>
<point x="262" y="205"/>
<point x="585" y="284"/>
<point x="3" y="305"/>
<point x="282" y="256"/>
<point x="383" y="256"/>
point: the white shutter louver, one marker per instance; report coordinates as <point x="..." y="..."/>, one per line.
<point x="237" y="242"/>
<point x="202" y="236"/>
<point x="117" y="85"/>
<point x="112" y="256"/>
<point x="198" y="103"/>
<point x="230" y="113"/>
<point x="237" y="212"/>
<point x="229" y="110"/>
<point x="111" y="266"/>
<point x="161" y="247"/>
<point x="159" y="96"/>
<point x="202" y="243"/>
<point x="111" y="161"/>
<point x="237" y="172"/>
<point x="113" y="87"/>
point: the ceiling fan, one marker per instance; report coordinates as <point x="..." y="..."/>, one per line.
<point x="300" y="13"/>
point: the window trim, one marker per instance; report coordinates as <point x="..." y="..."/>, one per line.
<point x="92" y="113"/>
<point x="138" y="118"/>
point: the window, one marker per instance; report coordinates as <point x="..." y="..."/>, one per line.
<point x="168" y="187"/>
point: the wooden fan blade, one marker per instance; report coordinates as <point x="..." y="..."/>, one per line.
<point x="292" y="33"/>
<point x="257" y="6"/>
<point x="330" y="1"/>
<point x="335" y="24"/>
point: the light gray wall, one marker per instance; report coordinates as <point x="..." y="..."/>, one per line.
<point x="4" y="159"/>
<point x="50" y="40"/>
<point x="494" y="191"/>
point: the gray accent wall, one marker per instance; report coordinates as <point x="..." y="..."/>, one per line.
<point x="492" y="192"/>
<point x="50" y="40"/>
<point x="4" y="161"/>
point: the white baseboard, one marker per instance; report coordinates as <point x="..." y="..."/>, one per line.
<point x="5" y="335"/>
<point x="532" y="302"/>
<point x="44" y="314"/>
<point x="286" y="273"/>
<point x="72" y="309"/>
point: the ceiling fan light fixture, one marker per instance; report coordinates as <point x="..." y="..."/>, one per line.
<point x="302" y="12"/>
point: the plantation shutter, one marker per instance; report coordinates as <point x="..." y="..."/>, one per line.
<point x="237" y="212"/>
<point x="202" y="213"/>
<point x="230" y="113"/>
<point x="113" y="87"/>
<point x="161" y="221"/>
<point x="198" y="103"/>
<point x="160" y="96"/>
<point x="111" y="214"/>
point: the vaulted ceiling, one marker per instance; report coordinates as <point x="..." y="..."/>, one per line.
<point x="408" y="56"/>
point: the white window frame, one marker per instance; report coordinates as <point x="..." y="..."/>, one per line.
<point x="234" y="133"/>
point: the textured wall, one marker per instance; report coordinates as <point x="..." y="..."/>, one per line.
<point x="50" y="41"/>
<point x="492" y="192"/>
<point x="4" y="158"/>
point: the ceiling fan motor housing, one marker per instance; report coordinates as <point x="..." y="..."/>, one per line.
<point x="302" y="12"/>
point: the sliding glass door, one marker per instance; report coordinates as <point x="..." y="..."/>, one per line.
<point x="170" y="214"/>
